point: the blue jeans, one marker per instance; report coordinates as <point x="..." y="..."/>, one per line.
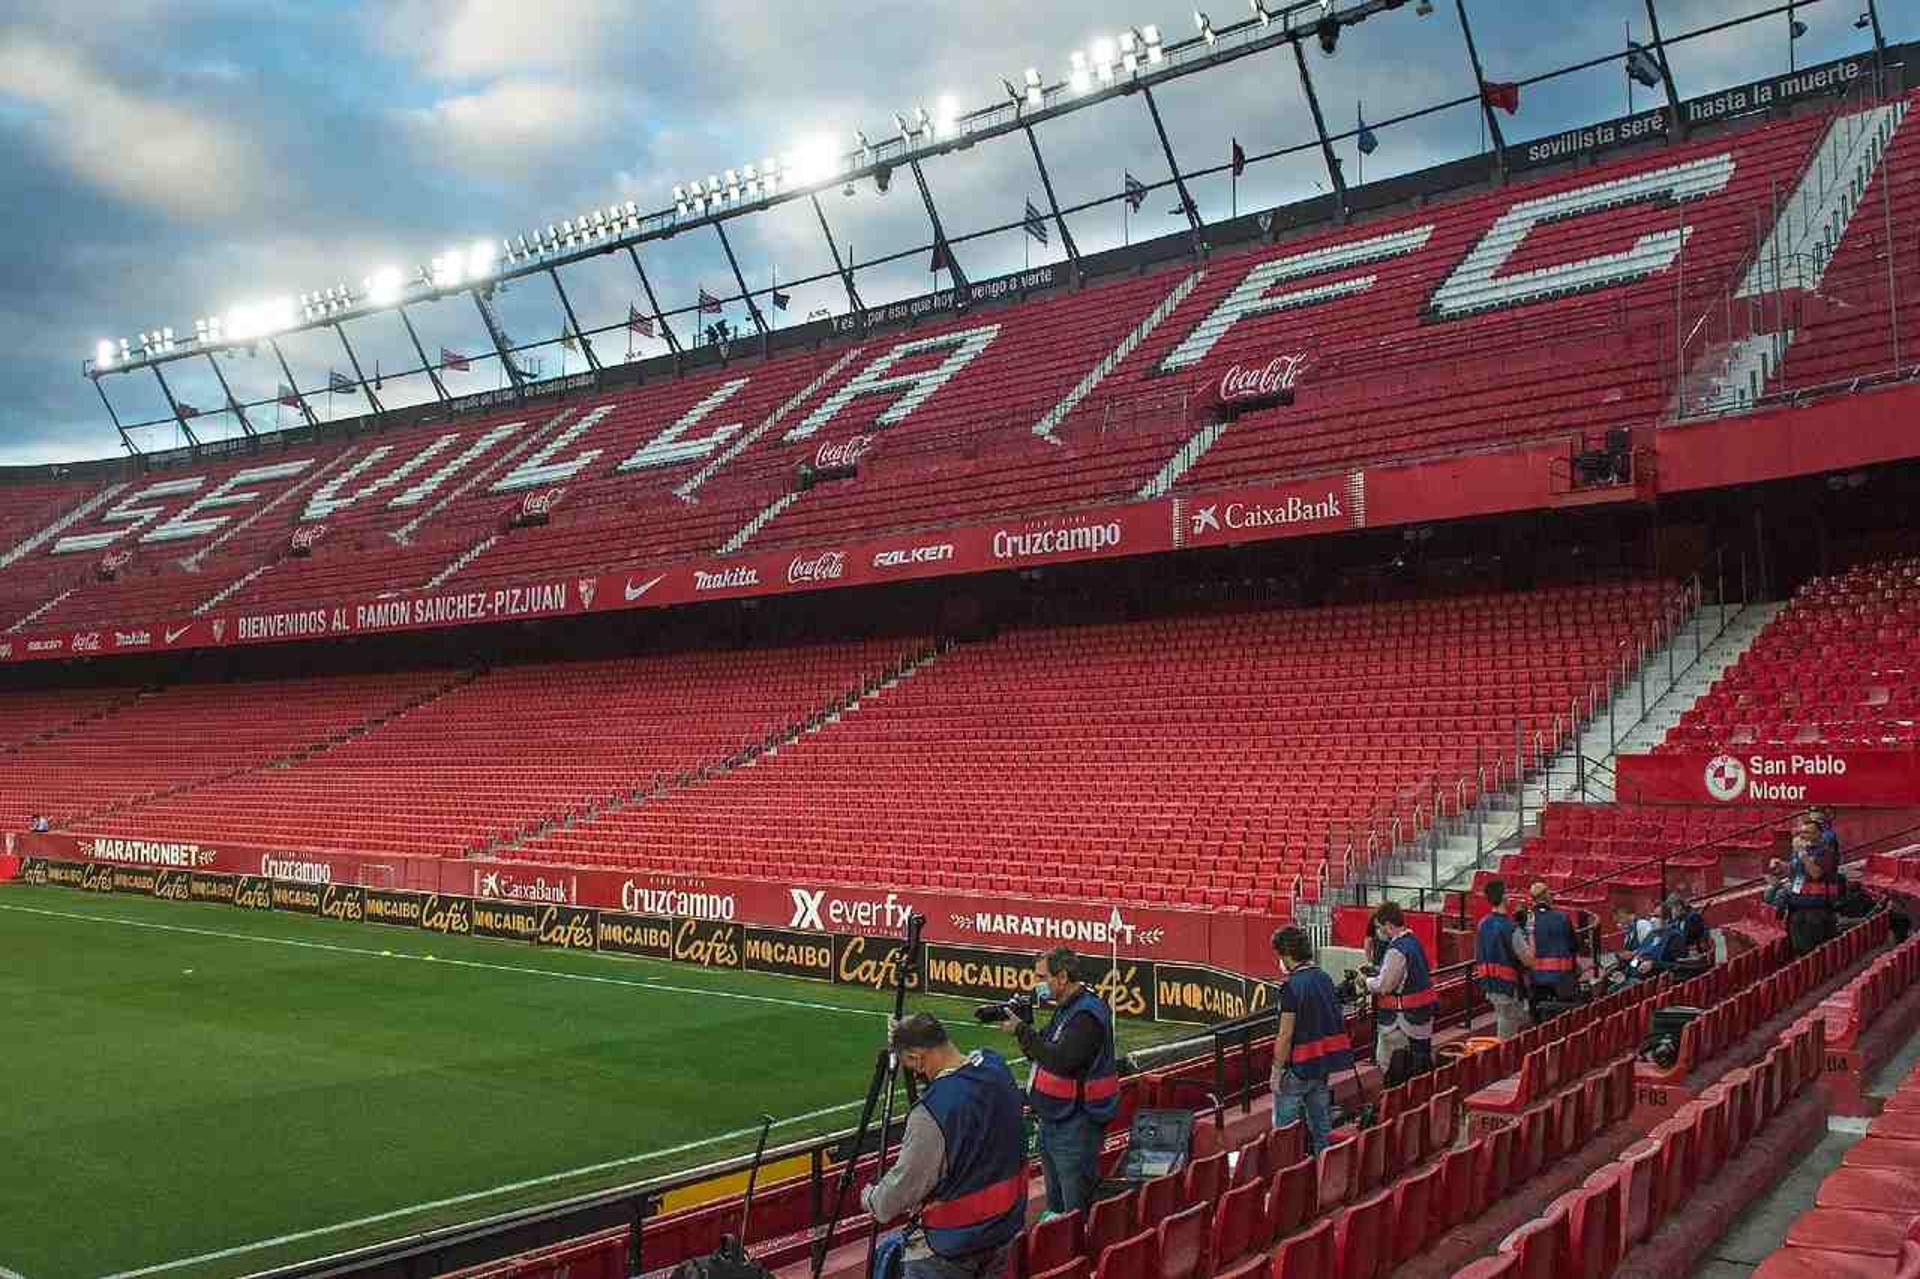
<point x="1070" y="1160"/>
<point x="1309" y="1097"/>
<point x="991" y="1264"/>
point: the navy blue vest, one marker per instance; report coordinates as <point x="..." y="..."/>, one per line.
<point x="1056" y="1098"/>
<point x="1320" y="1045"/>
<point x="1416" y="999"/>
<point x="1817" y="894"/>
<point x="980" y="1201"/>
<point x="1553" y="951"/>
<point x="1494" y="964"/>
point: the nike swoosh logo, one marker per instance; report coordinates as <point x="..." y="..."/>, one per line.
<point x="173" y="635"/>
<point x="635" y="592"/>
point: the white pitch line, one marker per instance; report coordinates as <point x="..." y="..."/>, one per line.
<point x="553" y="973"/>
<point x="472" y="1196"/>
<point x="10" y="1274"/>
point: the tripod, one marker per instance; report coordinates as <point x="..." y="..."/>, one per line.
<point x="884" y="1067"/>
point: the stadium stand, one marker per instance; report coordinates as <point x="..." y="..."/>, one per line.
<point x="494" y="751"/>
<point x="1581" y="843"/>
<point x="1202" y="761"/>
<point x="1836" y="667"/>
<point x="1100" y="394"/>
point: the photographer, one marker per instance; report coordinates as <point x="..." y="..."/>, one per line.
<point x="1312" y="1045"/>
<point x="1554" y="951"/>
<point x="1076" y="1084"/>
<point x="1501" y="954"/>
<point x="960" y="1175"/>
<point x="1812" y="888"/>
<point x="1404" y="1000"/>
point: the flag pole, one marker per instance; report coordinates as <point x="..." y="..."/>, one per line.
<point x="1360" y="152"/>
<point x="1628" y="24"/>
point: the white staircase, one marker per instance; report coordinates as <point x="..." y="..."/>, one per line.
<point x="1046" y="426"/>
<point x="232" y="588"/>
<point x="461" y="560"/>
<point x="766" y="516"/>
<point x="46" y="606"/>
<point x="61" y="525"/>
<point x="1644" y="708"/>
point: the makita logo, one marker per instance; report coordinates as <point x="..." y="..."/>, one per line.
<point x="827" y="566"/>
<point x="726" y="579"/>
<point x="87" y="642"/>
<point x="677" y="902"/>
<point x="1275" y="379"/>
<point x="503" y="886"/>
<point x="132" y="639"/>
<point x="300" y="872"/>
<point x="833" y="456"/>
<point x="812" y="911"/>
<point x="935" y="554"/>
<point x="1086" y="539"/>
<point x="143" y="852"/>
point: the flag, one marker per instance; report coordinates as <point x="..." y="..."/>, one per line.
<point x="709" y="304"/>
<point x="1237" y="158"/>
<point x="780" y="300"/>
<point x="1136" y="193"/>
<point x="187" y="410"/>
<point x="638" y="323"/>
<point x="942" y="256"/>
<point x="1642" y="66"/>
<point x="568" y="338"/>
<point x="1367" y="143"/>
<point x="338" y="381"/>
<point x="287" y="395"/>
<point x="1501" y="93"/>
<point x="454" y="360"/>
<point x="1036" y="225"/>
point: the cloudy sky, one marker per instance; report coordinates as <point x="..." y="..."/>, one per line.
<point x="169" y="159"/>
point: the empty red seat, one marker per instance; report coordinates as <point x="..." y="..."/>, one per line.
<point x="1869" y="1188"/>
<point x="1542" y="1246"/>
<point x="1338" y="1164"/>
<point x="1829" y="1230"/>
<point x="1501" y="1265"/>
<point x="1054" y="1242"/>
<point x="1414" y="1200"/>
<point x="1132" y="1258"/>
<point x="1206" y="1179"/>
<point x="1307" y="1255"/>
<point x="1363" y="1238"/>
<point x="1259" y="1266"/>
<point x="1293" y="1197"/>
<point x="1108" y="1221"/>
<point x="1181" y="1242"/>
<point x="1239" y="1223"/>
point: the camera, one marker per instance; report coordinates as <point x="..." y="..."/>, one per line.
<point x="1349" y="989"/>
<point x="1020" y="1005"/>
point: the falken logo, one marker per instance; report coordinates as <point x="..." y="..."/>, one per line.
<point x="175" y="632"/>
<point x="587" y="587"/>
<point x="1726" y="778"/>
<point x="635" y="592"/>
<point x="1207" y="517"/>
<point x="934" y="554"/>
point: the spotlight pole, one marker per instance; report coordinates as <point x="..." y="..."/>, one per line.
<point x="1334" y="175"/>
<point x="1678" y="131"/>
<point x="1480" y="89"/>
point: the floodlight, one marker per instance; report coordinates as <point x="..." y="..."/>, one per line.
<point x="480" y="259"/>
<point x="900" y="122"/>
<point x="1012" y="92"/>
<point x="679" y="194"/>
<point x="1104" y="56"/>
<point x="1080" y="77"/>
<point x="124" y="348"/>
<point x="384" y="286"/>
<point x="103" y="354"/>
<point x="1260" y="13"/>
<point x="1329" y="32"/>
<point x="1201" y="21"/>
<point x="1036" y="90"/>
<point x="168" y="334"/>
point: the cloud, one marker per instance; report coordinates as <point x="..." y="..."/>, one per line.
<point x="508" y="126"/>
<point x="482" y="39"/>
<point x="140" y="148"/>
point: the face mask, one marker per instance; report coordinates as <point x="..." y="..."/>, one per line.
<point x="1043" y="992"/>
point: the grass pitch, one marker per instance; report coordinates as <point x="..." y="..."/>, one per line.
<point x="191" y="1090"/>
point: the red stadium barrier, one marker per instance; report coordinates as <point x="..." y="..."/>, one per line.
<point x="600" y="1256"/>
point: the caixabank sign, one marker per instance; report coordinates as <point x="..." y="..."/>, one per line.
<point x="1142" y="989"/>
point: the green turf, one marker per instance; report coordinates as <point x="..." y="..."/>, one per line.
<point x="190" y="1079"/>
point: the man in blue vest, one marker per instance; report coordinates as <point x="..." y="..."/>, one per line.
<point x="1555" y="951"/>
<point x="1076" y="1080"/>
<point x="1312" y="1045"/>
<point x="1501" y="956"/>
<point x="1404" y="1000"/>
<point x="1813" y="889"/>
<point x="961" y="1173"/>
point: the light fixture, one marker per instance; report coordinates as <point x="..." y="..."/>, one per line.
<point x="1131" y="47"/>
<point x="1156" y="51"/>
<point x="900" y="123"/>
<point x="384" y="286"/>
<point x="1036" y="91"/>
<point x="1260" y="13"/>
<point x="480" y="259"/>
<point x="1205" y="27"/>
<point x="1329" y="32"/>
<point x="1104" y="56"/>
<point x="946" y="116"/>
<point x="103" y="354"/>
<point x="1080" y="76"/>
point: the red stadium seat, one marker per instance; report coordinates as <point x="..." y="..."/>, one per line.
<point x="1307" y="1255"/>
<point x="1182" y="1243"/>
<point x="1293" y="1197"/>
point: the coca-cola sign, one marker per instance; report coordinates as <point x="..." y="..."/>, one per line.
<point x="844" y="454"/>
<point x="304" y="538"/>
<point x="827" y="566"/>
<point x="1272" y="383"/>
<point x="536" y="505"/>
<point x="112" y="562"/>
